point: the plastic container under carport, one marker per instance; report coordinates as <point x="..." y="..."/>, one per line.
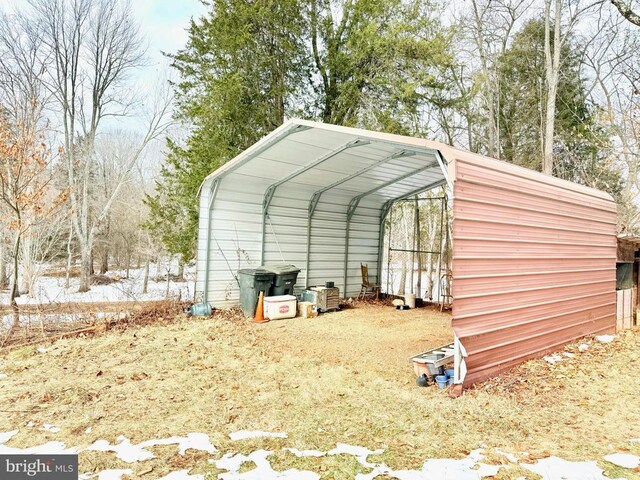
<point x="285" y="278"/>
<point x="252" y="282"/>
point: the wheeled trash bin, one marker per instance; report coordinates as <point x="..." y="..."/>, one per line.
<point x="252" y="282"/>
<point x="284" y="280"/>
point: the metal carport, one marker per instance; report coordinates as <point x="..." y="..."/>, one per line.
<point x="310" y="194"/>
<point x="533" y="256"/>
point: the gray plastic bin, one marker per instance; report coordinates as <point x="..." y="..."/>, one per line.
<point x="284" y="280"/>
<point x="252" y="282"/>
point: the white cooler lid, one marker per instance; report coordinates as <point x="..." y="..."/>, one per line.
<point x="279" y="298"/>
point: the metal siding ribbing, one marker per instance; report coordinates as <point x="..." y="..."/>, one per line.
<point x="533" y="263"/>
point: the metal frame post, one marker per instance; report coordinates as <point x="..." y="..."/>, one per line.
<point x="213" y="191"/>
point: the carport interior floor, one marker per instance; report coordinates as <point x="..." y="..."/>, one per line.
<point x="367" y="338"/>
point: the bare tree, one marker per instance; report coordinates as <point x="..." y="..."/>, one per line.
<point x="562" y="21"/>
<point x="625" y="10"/>
<point x="491" y="26"/>
<point x="612" y="63"/>
<point x="92" y="45"/>
<point x="24" y="158"/>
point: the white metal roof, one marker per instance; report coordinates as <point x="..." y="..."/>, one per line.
<point x="311" y="194"/>
<point x="353" y="160"/>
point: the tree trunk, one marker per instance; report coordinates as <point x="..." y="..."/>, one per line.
<point x="69" y="255"/>
<point x="127" y="260"/>
<point x="552" y="69"/>
<point x="180" y="271"/>
<point x="157" y="277"/>
<point x="14" y="278"/>
<point x="3" y="266"/>
<point x="27" y="265"/>
<point x="145" y="282"/>
<point x="104" y="261"/>
<point x="166" y="293"/>
<point x="86" y="269"/>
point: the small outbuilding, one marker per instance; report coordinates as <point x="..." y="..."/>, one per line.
<point x="534" y="257"/>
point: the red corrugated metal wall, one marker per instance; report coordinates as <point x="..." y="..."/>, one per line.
<point x="534" y="262"/>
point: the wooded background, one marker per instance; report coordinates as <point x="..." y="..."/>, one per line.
<point x="550" y="85"/>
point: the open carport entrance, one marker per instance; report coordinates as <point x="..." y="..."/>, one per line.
<point x="533" y="256"/>
<point x="417" y="248"/>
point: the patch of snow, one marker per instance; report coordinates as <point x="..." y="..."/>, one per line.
<point x="583" y="347"/>
<point x="182" y="475"/>
<point x="263" y="470"/>
<point x="605" y="338"/>
<point x="463" y="469"/>
<point x="49" y="448"/>
<point x="88" y="430"/>
<point x="552" y="358"/>
<point x="3" y="375"/>
<point x="487" y="470"/>
<point x="633" y="440"/>
<point x="554" y="468"/>
<point x="624" y="460"/>
<point x="231" y="462"/>
<point x="378" y="470"/>
<point x="42" y="350"/>
<point x="509" y="456"/>
<point x="448" y="469"/>
<point x="30" y="424"/>
<point x="245" y="434"/>
<point x="361" y="453"/>
<point x="568" y="354"/>
<point x="305" y="453"/>
<point x="124" y="450"/>
<point x="195" y="441"/>
<point x="52" y="289"/>
<point x="6" y="436"/>
<point x="476" y="455"/>
<point x="50" y="428"/>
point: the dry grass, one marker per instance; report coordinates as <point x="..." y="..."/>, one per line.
<point x="342" y="377"/>
<point x="51" y="322"/>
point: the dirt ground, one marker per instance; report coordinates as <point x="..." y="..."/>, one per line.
<point x="367" y="338"/>
<point x="343" y="377"/>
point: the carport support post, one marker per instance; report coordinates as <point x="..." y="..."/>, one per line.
<point x="207" y="256"/>
<point x="308" y="251"/>
<point x="381" y="233"/>
<point x="350" y="211"/>
<point x="264" y="235"/>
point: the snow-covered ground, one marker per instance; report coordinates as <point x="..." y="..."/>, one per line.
<point x="471" y="467"/>
<point x="52" y="289"/>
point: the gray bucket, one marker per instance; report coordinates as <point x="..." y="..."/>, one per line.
<point x="433" y="371"/>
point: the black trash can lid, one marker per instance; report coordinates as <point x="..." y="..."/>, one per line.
<point x="254" y="271"/>
<point x="281" y="269"/>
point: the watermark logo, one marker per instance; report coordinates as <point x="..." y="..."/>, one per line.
<point x="39" y="467"/>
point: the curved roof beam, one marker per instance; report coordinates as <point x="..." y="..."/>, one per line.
<point x="353" y="204"/>
<point x="255" y="150"/>
<point x="271" y="190"/>
<point x="315" y="198"/>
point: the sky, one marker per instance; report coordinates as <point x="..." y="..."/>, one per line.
<point x="163" y="22"/>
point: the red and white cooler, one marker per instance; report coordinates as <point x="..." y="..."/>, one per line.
<point x="280" y="306"/>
